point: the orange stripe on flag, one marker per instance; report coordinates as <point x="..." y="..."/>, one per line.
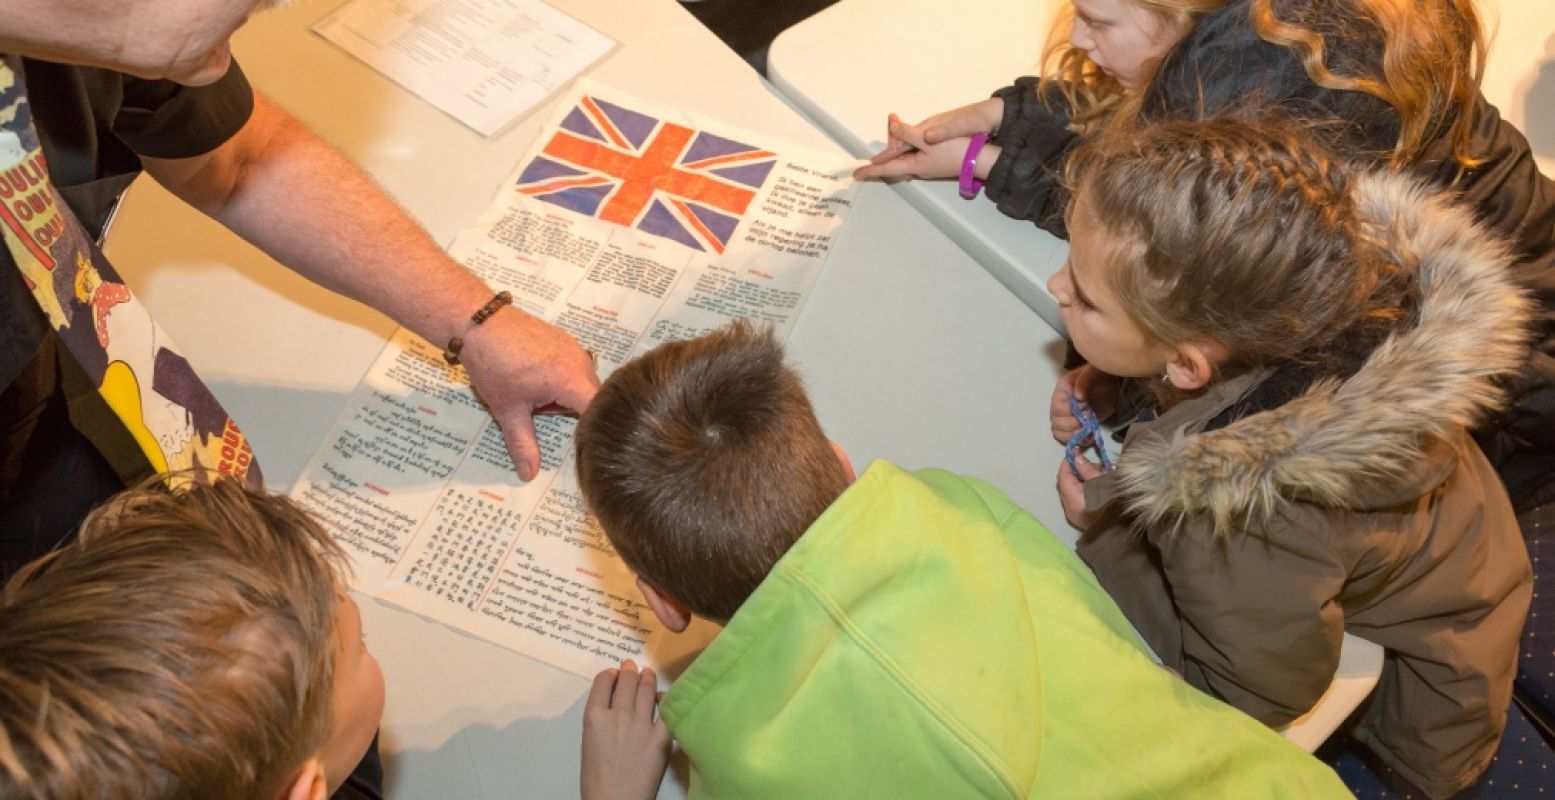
<point x="694" y="222"/>
<point x="640" y="176"/>
<point x="556" y="186"/>
<point x="709" y="162"/>
<point x="604" y="122"/>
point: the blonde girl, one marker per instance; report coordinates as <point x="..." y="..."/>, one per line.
<point x="1392" y="82"/>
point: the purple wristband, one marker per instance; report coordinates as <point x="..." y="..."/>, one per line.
<point x="970" y="183"/>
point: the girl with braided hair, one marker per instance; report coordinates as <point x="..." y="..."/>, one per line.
<point x="1382" y="82"/>
<point x="1317" y="341"/>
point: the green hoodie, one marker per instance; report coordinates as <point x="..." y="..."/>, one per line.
<point x="928" y="638"/>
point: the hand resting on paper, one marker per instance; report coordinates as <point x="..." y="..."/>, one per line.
<point x="625" y="748"/>
<point x="345" y="234"/>
<point x="520" y="366"/>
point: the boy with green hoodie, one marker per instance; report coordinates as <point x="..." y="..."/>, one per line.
<point x="900" y="635"/>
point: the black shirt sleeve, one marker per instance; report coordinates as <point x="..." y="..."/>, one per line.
<point x="163" y="119"/>
<point x="95" y="124"/>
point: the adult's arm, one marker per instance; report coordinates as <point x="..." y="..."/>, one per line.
<point x="287" y="191"/>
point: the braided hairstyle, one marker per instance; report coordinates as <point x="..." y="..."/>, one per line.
<point x="1239" y="232"/>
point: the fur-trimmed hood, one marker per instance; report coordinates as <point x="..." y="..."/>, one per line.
<point x="1354" y="443"/>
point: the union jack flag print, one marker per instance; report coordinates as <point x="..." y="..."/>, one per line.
<point x="632" y="169"/>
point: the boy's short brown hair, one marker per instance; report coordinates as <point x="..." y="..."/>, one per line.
<point x="182" y="646"/>
<point x="704" y="463"/>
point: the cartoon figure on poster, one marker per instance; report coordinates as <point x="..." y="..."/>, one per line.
<point x="172" y="416"/>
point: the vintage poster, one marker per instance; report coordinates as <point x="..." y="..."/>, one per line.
<point x="627" y="225"/>
<point x="174" y="420"/>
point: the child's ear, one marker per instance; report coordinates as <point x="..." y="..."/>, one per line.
<point x="1193" y="365"/>
<point x="666" y="608"/>
<point x="309" y="784"/>
<point x="847" y="463"/>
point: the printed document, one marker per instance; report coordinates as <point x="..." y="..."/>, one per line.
<point x="627" y="225"/>
<point x="485" y="62"/>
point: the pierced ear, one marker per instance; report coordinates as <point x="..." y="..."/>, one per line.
<point x="666" y="608"/>
<point x="310" y="783"/>
<point x="1193" y="365"/>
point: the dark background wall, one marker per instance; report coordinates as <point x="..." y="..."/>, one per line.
<point x="749" y="26"/>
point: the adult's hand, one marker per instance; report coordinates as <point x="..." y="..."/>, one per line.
<point x="283" y="188"/>
<point x="520" y="366"/>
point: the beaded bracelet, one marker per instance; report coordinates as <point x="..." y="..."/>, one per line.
<point x="451" y="352"/>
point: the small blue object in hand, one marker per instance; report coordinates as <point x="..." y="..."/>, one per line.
<point x="1090" y="433"/>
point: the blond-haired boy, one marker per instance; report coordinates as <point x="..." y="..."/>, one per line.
<point x="190" y="643"/>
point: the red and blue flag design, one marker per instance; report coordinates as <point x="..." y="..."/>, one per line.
<point x="626" y="167"/>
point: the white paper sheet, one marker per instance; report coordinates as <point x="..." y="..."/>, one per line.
<point x="485" y="62"/>
<point x="710" y="224"/>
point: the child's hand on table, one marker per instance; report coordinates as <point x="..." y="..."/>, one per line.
<point x="894" y="148"/>
<point x="1090" y="386"/>
<point x="983" y="116"/>
<point x="625" y="749"/>
<point x="958" y="123"/>
<point x="935" y="147"/>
